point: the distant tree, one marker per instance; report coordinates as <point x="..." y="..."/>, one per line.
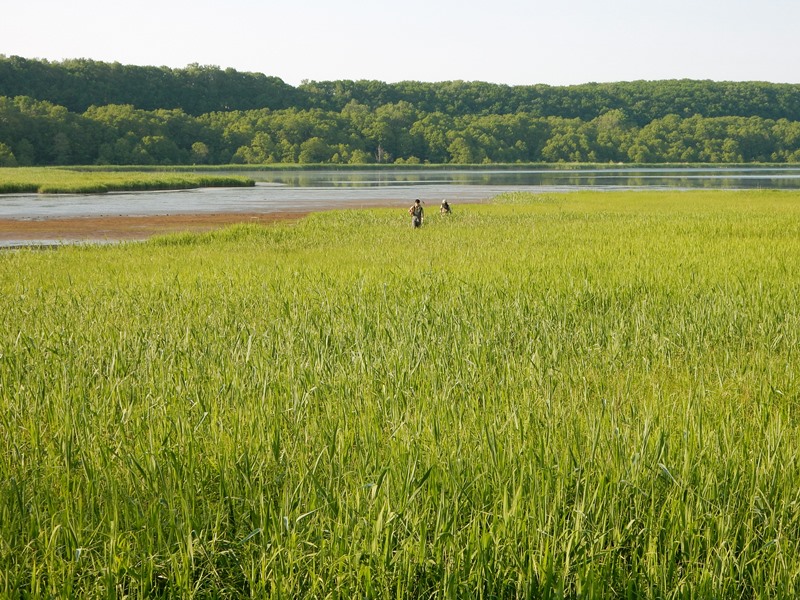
<point x="388" y="134"/>
<point x="359" y="157"/>
<point x="262" y="150"/>
<point x="7" y="158"/>
<point x="288" y="152"/>
<point x="612" y="133"/>
<point x="61" y="148"/>
<point x="432" y="132"/>
<point x="465" y="151"/>
<point x="160" y="150"/>
<point x="25" y="153"/>
<point x="200" y="153"/>
<point x="787" y="140"/>
<point x="315" y="150"/>
<point x="567" y="142"/>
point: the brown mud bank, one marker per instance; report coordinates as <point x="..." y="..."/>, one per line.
<point x="119" y="228"/>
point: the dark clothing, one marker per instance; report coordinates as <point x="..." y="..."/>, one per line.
<point x="416" y="213"/>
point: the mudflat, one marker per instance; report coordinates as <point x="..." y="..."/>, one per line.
<point x="115" y="228"/>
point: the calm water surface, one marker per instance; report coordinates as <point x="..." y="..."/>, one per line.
<point x="281" y="191"/>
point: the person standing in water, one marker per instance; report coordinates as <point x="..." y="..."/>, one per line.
<point x="417" y="214"/>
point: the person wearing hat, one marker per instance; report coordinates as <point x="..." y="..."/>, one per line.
<point x="444" y="209"/>
<point x="417" y="214"/>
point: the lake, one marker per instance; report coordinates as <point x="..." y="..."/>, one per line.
<point x="309" y="190"/>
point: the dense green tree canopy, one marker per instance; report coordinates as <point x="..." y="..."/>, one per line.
<point x="197" y="89"/>
<point x="89" y="112"/>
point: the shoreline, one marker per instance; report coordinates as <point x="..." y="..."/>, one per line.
<point x="47" y="232"/>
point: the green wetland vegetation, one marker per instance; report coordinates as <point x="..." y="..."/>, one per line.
<point x="584" y="395"/>
<point x="43" y="180"/>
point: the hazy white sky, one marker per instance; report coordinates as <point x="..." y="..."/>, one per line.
<point x="556" y="42"/>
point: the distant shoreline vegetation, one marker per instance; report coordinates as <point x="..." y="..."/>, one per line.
<point x="82" y="112"/>
<point x="67" y="181"/>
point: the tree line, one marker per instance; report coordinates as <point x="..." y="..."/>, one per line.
<point x="89" y="112"/>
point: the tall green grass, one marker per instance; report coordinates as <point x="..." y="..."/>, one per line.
<point x="45" y="180"/>
<point x="580" y="395"/>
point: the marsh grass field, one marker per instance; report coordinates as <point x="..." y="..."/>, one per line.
<point x="586" y="395"/>
<point x="50" y="180"/>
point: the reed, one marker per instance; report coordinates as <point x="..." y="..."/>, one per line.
<point x="562" y="396"/>
<point x="44" y="180"/>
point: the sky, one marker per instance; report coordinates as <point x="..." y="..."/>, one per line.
<point x="514" y="42"/>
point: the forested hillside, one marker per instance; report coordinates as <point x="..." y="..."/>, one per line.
<point x="78" y="84"/>
<point x="89" y="112"/>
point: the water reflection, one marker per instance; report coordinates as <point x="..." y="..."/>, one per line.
<point x="305" y="190"/>
<point x="618" y="177"/>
